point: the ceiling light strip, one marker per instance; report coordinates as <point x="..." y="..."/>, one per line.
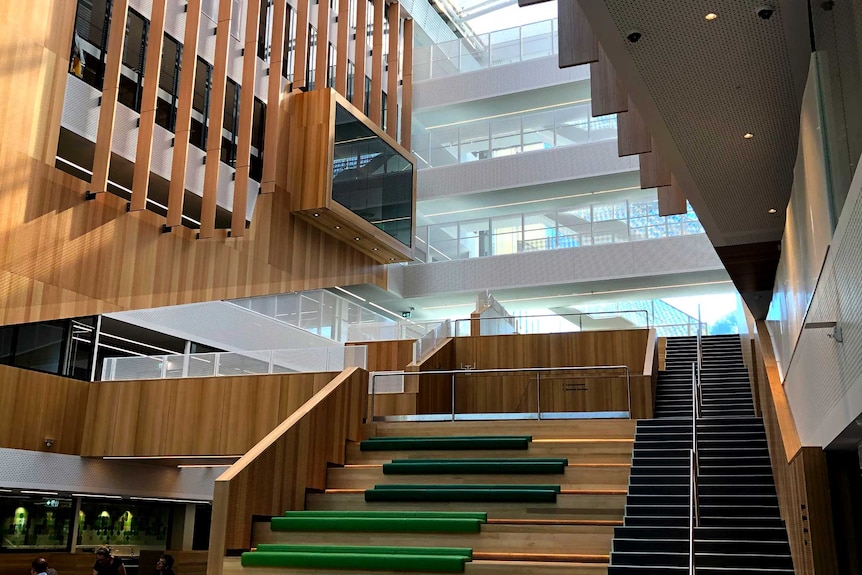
<point x="506" y="114"/>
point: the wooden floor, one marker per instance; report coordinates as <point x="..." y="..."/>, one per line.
<point x="571" y="536"/>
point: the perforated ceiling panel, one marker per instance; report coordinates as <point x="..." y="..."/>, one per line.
<point x="713" y="81"/>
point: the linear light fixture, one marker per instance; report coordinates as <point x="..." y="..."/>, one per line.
<point x="28" y="492"/>
<point x="350" y="293"/>
<point x="166" y="500"/>
<point x="384" y="310"/>
<point x="95" y="496"/>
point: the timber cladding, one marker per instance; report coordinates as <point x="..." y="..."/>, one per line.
<point x="62" y="256"/>
<point x="480" y="394"/>
<point x="193" y="416"/>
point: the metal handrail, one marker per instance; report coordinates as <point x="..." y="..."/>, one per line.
<point x="537" y="370"/>
<point x="693" y="513"/>
<point x="579" y="315"/>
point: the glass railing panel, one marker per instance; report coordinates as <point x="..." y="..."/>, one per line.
<point x="505" y="47"/>
<point x="537" y="40"/>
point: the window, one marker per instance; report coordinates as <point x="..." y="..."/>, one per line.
<point x="311" y="57"/>
<point x="169" y="82"/>
<point x="92" y="24"/>
<point x="35" y="522"/>
<point x="264" y="30"/>
<point x="134" y="57"/>
<point x="230" y="126"/>
<point x="330" y="66"/>
<point x="258" y="132"/>
<point x="200" y="104"/>
<point x="288" y="60"/>
<point x="350" y="80"/>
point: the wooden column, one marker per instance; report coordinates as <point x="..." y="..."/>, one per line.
<point x="578" y="45"/>
<point x="392" y="71"/>
<point x="608" y="94"/>
<point x="246" y="117"/>
<point x="144" y="152"/>
<point x="110" y="90"/>
<point x="300" y="53"/>
<point x="182" y="127"/>
<point x="321" y="64"/>
<point x="360" y="55"/>
<point x="273" y="95"/>
<point x="407" y="85"/>
<point x="376" y="104"/>
<point x="671" y="200"/>
<point x="216" y="119"/>
<point x="654" y="170"/>
<point x="632" y="134"/>
<point x="342" y="47"/>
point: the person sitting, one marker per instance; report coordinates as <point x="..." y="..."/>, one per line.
<point x="165" y="565"/>
<point x="39" y="566"/>
<point x="107" y="564"/>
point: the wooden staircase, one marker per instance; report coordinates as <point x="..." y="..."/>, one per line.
<point x="572" y="535"/>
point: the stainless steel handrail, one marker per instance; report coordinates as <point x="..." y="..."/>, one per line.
<point x="579" y="315"/>
<point x="693" y="515"/>
<point x="537" y="370"/>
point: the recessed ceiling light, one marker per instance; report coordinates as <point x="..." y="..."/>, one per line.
<point x="357" y="238"/>
<point x="391" y="259"/>
<point x="316" y="215"/>
<point x="337" y="227"/>
<point x="711" y="16"/>
<point x="748" y="135"/>
<point x="772" y="210"/>
<point x="374" y="249"/>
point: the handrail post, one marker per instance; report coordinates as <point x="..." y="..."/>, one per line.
<point x="538" y="395"/>
<point x="373" y="383"/>
<point x="629" y="390"/>
<point x="453" y="396"/>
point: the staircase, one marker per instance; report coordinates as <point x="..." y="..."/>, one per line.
<point x="550" y="508"/>
<point x="741" y="531"/>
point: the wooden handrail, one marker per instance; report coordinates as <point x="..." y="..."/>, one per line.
<point x="274" y="475"/>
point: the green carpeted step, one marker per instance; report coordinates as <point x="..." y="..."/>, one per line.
<point x="479" y="515"/>
<point x="357" y="561"/>
<point x="377" y="524"/>
<point x="366" y="549"/>
<point x="458" y="486"/>
<point x="509" y="495"/>
<point x="443" y="443"/>
<point x="466" y="466"/>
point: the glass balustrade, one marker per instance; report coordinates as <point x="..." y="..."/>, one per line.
<point x="508" y="46"/>
<point x="597" y="224"/>
<point x="511" y="135"/>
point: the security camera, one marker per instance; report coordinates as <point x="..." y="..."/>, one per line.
<point x="633" y="36"/>
<point x="49" y="441"/>
<point x="765" y="12"/>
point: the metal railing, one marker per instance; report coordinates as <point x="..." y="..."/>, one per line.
<point x="522" y="324"/>
<point x="539" y="375"/>
<point x="432" y="339"/>
<point x="694" y="466"/>
<point x="308" y="360"/>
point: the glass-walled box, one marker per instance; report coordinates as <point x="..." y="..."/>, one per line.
<point x="357" y="183"/>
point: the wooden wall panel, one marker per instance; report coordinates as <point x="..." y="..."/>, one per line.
<point x="275" y="474"/>
<point x="182" y="127"/>
<point x="110" y="90"/>
<point x="671" y="199"/>
<point x="192" y="416"/>
<point x="632" y="134"/>
<point x="392" y="71"/>
<point x="360" y="54"/>
<point x="578" y="45"/>
<point x="246" y="117"/>
<point x="35" y="406"/>
<point x="190" y="562"/>
<point x="655" y="172"/>
<point x="606" y="89"/>
<point x="407" y="86"/>
<point x="375" y="106"/>
<point x="147" y="123"/>
<point x="801" y="479"/>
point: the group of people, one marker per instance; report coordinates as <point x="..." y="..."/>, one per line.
<point x="106" y="564"/>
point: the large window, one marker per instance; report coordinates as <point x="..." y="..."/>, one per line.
<point x="201" y="104"/>
<point x="169" y="82"/>
<point x="258" y="131"/>
<point x="126" y="523"/>
<point x="371" y="179"/>
<point x="61" y="347"/>
<point x="134" y="57"/>
<point x="89" y="42"/>
<point x="42" y="523"/>
<point x="230" y="127"/>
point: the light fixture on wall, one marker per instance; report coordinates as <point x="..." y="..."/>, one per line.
<point x="49" y="441"/>
<point x="836" y="332"/>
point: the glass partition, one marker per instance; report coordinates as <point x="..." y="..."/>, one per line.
<point x="371" y="179"/>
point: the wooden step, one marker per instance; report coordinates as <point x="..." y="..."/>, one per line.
<point x="232" y="567"/>
<point x="547" y="429"/>
<point x="576" y="450"/>
<point x="493" y="538"/>
<point x="592" y="506"/>
<point x="577" y="476"/>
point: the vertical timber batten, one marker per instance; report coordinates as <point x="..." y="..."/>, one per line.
<point x="407" y="86"/>
<point x="273" y="95"/>
<point x="110" y="90"/>
<point x="144" y="152"/>
<point x="392" y="71"/>
<point x="321" y="63"/>
<point x="246" y="119"/>
<point x="182" y="127"/>
<point x="216" y="119"/>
